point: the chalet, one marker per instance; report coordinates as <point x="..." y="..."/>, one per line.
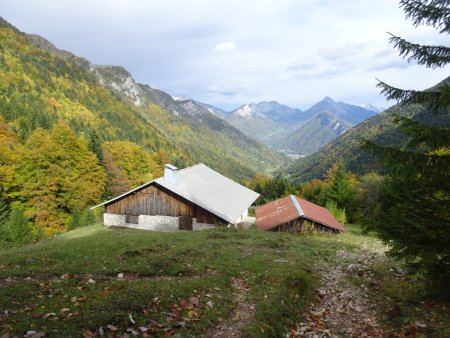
<point x="193" y="198"/>
<point x="291" y="214"/>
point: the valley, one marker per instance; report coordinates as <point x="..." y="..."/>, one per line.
<point x="327" y="221"/>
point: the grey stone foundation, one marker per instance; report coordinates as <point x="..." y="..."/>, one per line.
<point x="155" y="223"/>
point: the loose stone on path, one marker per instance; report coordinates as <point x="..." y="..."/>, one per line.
<point x="341" y="308"/>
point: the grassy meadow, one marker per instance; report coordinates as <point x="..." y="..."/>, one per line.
<point x="172" y="282"/>
<point x="95" y="281"/>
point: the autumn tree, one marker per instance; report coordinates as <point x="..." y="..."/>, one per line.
<point x="414" y="212"/>
<point x="129" y="165"/>
<point x="57" y="175"/>
<point x="315" y="191"/>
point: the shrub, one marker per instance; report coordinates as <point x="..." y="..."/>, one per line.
<point x="339" y="214"/>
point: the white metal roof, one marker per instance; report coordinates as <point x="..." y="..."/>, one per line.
<point x="208" y="189"/>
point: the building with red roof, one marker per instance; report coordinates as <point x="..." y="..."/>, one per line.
<point x="289" y="214"/>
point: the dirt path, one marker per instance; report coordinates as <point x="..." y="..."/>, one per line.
<point x="242" y="314"/>
<point x="341" y="308"/>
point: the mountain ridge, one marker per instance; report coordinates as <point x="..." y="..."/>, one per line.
<point x="284" y="128"/>
<point x="346" y="148"/>
<point x="151" y="117"/>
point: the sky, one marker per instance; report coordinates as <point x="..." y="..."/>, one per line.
<point x="232" y="52"/>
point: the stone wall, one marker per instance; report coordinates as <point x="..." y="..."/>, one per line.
<point x="113" y="220"/>
<point x="158" y="223"/>
<point x="201" y="226"/>
<point x="155" y="223"/>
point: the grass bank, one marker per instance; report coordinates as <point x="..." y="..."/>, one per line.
<point x="95" y="280"/>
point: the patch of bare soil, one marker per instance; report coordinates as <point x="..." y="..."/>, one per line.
<point x="242" y="314"/>
<point x="342" y="308"/>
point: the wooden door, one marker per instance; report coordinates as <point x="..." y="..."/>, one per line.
<point x="185" y="223"/>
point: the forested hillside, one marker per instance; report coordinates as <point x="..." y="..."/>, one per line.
<point x="318" y="131"/>
<point x="347" y="149"/>
<point x="68" y="141"/>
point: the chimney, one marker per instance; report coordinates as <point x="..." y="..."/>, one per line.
<point x="171" y="174"/>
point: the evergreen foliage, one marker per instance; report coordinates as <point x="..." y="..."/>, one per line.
<point x="81" y="219"/>
<point x="344" y="190"/>
<point x="339" y="185"/>
<point x="74" y="220"/>
<point x="4" y="215"/>
<point x="270" y="188"/>
<point x="88" y="218"/>
<point x="339" y="214"/>
<point x="19" y="227"/>
<point x="413" y="210"/>
<point x="4" y="208"/>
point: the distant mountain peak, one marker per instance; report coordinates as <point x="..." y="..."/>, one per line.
<point x="245" y="111"/>
<point x="371" y="107"/>
<point x="180" y="98"/>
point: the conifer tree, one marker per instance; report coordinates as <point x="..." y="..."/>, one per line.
<point x="414" y="211"/>
<point x="87" y="218"/>
<point x="4" y="215"/>
<point x="19" y="227"/>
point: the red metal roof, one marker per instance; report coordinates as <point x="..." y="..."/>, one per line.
<point x="273" y="214"/>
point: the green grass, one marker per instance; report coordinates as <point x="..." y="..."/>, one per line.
<point x="409" y="301"/>
<point x="170" y="277"/>
<point x="69" y="284"/>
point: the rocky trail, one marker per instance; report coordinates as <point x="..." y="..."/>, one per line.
<point x="341" y="308"/>
<point x="242" y="314"/>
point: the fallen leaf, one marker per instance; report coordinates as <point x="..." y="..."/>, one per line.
<point x="132" y="331"/>
<point x="192" y="313"/>
<point x="194" y="300"/>
<point x="88" y="334"/>
<point x="131" y="319"/>
<point x="34" y="334"/>
<point x="50" y="314"/>
<point x="111" y="327"/>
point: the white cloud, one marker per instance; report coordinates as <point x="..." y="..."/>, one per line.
<point x="224" y="47"/>
<point x="295" y="52"/>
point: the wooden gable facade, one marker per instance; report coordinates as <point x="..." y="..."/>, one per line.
<point x="155" y="200"/>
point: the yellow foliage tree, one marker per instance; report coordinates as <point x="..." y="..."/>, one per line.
<point x="128" y="165"/>
<point x="58" y="174"/>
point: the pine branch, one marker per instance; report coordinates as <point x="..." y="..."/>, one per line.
<point x="430" y="56"/>
<point x="435" y="100"/>
<point x="432" y="138"/>
<point x="399" y="160"/>
<point x="436" y="13"/>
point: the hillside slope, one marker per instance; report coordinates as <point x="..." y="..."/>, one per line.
<point x="73" y="134"/>
<point x="45" y="83"/>
<point x="66" y="286"/>
<point x="346" y="148"/>
<point x="265" y="121"/>
<point x="312" y="135"/>
<point x="327" y="120"/>
<point x="347" y="112"/>
<point x="294" y="131"/>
